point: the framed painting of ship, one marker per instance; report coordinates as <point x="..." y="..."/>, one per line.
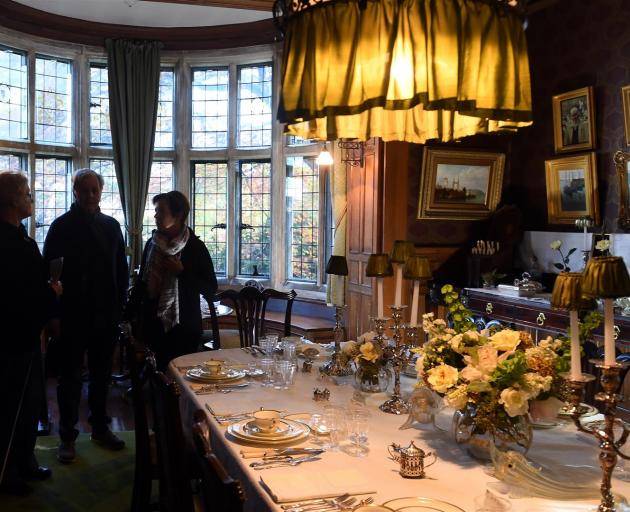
<point x="459" y="184"/>
<point x="572" y="189"/>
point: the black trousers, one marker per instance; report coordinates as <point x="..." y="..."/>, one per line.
<point x="77" y="341"/>
<point x="169" y="345"/>
<point x="21" y="379"/>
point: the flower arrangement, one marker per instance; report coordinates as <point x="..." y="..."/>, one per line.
<point x="368" y="356"/>
<point x="495" y="373"/>
<point x="563" y="266"/>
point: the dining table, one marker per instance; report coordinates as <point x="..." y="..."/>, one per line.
<point x="455" y="478"/>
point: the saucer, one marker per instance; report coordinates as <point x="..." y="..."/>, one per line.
<point x="199" y="374"/>
<point x="295" y="431"/>
<point x="283" y="428"/>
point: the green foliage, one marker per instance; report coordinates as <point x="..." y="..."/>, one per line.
<point x="460" y="315"/>
<point x="509" y="371"/>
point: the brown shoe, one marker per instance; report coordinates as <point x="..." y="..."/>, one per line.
<point x="107" y="439"/>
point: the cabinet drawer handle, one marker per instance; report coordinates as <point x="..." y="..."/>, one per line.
<point x="489" y="308"/>
<point x="616" y="331"/>
<point x="541" y="319"/>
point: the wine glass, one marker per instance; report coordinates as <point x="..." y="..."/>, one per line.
<point x="358" y="427"/>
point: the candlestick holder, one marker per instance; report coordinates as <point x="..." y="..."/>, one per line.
<point x="399" y="355"/>
<point x="336" y="367"/>
<point x="609" y="447"/>
<point x="379" y="327"/>
<point x="412" y="335"/>
<point x="585" y="256"/>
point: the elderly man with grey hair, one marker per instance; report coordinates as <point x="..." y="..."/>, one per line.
<point x="26" y="302"/>
<point x="95" y="277"/>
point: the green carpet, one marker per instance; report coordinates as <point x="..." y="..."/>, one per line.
<point x="98" y="480"/>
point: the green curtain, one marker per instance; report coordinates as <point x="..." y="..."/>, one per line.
<point x="337" y="177"/>
<point x="134" y="79"/>
<point x="406" y="70"/>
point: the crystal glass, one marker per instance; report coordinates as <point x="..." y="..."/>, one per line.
<point x="489" y="502"/>
<point x="267" y="366"/>
<point x="335" y="422"/>
<point x="267" y="346"/>
<point x="358" y="423"/>
<point x="281" y="374"/>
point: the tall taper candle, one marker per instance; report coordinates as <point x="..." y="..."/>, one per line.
<point x="609" y="340"/>
<point x="585" y="237"/>
<point x="339" y="299"/>
<point x="414" y="304"/>
<point x="398" y="272"/>
<point x="379" y="294"/>
<point x="576" y="360"/>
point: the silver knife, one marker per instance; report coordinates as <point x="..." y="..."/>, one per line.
<point x="276" y="464"/>
<point x="294" y="451"/>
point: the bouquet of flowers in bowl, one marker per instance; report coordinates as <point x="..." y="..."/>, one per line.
<point x="370" y="360"/>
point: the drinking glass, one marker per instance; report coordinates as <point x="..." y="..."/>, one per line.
<point x="358" y="426"/>
<point x="281" y="374"/>
<point x="490" y="502"/>
<point x="267" y="366"/>
<point x="267" y="346"/>
<point x="335" y="420"/>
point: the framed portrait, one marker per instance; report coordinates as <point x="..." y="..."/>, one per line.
<point x="574" y="120"/>
<point x="625" y="98"/>
<point x="459" y="184"/>
<point x="571" y="189"/>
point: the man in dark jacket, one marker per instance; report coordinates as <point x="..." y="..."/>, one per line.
<point x="95" y="277"/>
<point x="26" y="301"/>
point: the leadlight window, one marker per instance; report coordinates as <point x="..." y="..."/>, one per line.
<point x="210" y="107"/>
<point x="161" y="180"/>
<point x="52" y="193"/>
<point x="164" y="124"/>
<point x="255" y="218"/>
<point x="13" y="94"/>
<point x="53" y="100"/>
<point x="100" y="132"/>
<point x="302" y="191"/>
<point x="12" y="162"/>
<point x="209" y="204"/>
<point x="254" y="106"/>
<point x="110" y="197"/>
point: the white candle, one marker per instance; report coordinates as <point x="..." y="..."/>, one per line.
<point x="414" y="304"/>
<point x="398" y="270"/>
<point x="338" y="291"/>
<point x="609" y="340"/>
<point x="379" y="295"/>
<point x="585" y="237"/>
<point x="576" y="360"/>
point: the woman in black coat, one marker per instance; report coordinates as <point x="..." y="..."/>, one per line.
<point x="176" y="268"/>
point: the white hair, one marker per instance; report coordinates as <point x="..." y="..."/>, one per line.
<point x="80" y="175"/>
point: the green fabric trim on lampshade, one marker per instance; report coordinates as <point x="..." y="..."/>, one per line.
<point x="567" y="293"/>
<point x="409" y="70"/>
<point x="606" y="277"/>
<point x="417" y="267"/>
<point x="379" y="265"/>
<point x="402" y="251"/>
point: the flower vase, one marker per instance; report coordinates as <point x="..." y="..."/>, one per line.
<point x="505" y="433"/>
<point x="373" y="379"/>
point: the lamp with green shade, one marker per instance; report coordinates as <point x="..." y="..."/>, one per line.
<point x="379" y="266"/>
<point x="401" y="252"/>
<point x="417" y="268"/>
<point x="567" y="296"/>
<point x="607" y="277"/>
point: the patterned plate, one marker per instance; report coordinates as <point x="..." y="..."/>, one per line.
<point x="590" y="411"/>
<point x="419" y="504"/>
<point x="282" y="429"/>
<point x="199" y="374"/>
<point x="295" y="432"/>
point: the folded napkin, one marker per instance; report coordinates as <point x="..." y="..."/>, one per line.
<point x="307" y="483"/>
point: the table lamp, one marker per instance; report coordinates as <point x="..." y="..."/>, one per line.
<point x="337" y="266"/>
<point x="607" y="277"/>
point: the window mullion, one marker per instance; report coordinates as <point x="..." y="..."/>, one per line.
<point x="233" y="214"/>
<point x="81" y="100"/>
<point x="321" y="230"/>
<point x="183" y="127"/>
<point x="31" y="133"/>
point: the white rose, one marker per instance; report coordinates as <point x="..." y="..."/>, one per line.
<point x="472" y="335"/>
<point x="534" y="384"/>
<point x="506" y="340"/>
<point x="458" y="397"/>
<point x="487" y="358"/>
<point x="349" y="348"/>
<point x="555" y="245"/>
<point x="470" y="373"/>
<point x="442" y="377"/>
<point x="455" y="342"/>
<point x="366" y="336"/>
<point x="515" y="402"/>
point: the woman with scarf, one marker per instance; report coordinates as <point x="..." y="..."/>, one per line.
<point x="175" y="269"/>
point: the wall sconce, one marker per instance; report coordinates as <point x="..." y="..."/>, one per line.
<point x="351" y="152"/>
<point x="324" y="157"/>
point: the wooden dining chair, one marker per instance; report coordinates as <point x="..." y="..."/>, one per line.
<point x="172" y="455"/>
<point x="220" y="492"/>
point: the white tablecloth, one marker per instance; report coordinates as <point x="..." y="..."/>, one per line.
<point x="455" y="477"/>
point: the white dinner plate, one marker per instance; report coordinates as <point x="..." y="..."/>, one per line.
<point x="418" y="504"/>
<point x="282" y="429"/>
<point x="199" y="374"/>
<point x="295" y="432"/>
<point x="590" y="411"/>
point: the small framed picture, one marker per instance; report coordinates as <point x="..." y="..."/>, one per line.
<point x="572" y="189"/>
<point x="459" y="184"/>
<point x="625" y="98"/>
<point x="574" y="120"/>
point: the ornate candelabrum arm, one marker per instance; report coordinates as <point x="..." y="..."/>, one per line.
<point x="399" y="356"/>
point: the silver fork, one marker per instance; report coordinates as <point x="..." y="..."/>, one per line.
<point x="293" y="462"/>
<point x="314" y="505"/>
<point x="317" y="501"/>
<point x="330" y="505"/>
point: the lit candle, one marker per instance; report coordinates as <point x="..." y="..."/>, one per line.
<point x="585" y="237"/>
<point x="609" y="340"/>
<point x="576" y="360"/>
<point x="379" y="295"/>
<point x="414" y="304"/>
<point x="398" y="270"/>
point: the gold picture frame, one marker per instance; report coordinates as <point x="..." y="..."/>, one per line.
<point x="572" y="188"/>
<point x="622" y="164"/>
<point x="459" y="184"/>
<point x="574" y="120"/>
<point x="625" y="99"/>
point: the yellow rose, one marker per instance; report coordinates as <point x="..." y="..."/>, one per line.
<point x="442" y="377"/>
<point x="367" y="352"/>
<point x="506" y="340"/>
<point x="458" y="397"/>
<point x="555" y="245"/>
<point x="515" y="401"/>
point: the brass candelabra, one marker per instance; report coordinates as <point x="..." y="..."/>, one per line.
<point x="609" y="447"/>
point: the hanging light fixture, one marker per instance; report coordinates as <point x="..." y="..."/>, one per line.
<point x="410" y="71"/>
<point x="351" y="152"/>
<point x="324" y="157"/>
